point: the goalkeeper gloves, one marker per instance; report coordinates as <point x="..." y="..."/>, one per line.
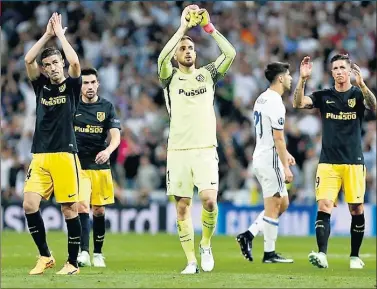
<point x="193" y="18"/>
<point x="206" y="21"/>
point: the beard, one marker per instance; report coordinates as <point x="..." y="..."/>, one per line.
<point x="90" y="94"/>
<point x="187" y="63"/>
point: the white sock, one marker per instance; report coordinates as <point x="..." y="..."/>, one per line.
<point x="271" y="227"/>
<point x="257" y="226"/>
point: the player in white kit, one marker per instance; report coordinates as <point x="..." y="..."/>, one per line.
<point x="192" y="156"/>
<point x="271" y="162"/>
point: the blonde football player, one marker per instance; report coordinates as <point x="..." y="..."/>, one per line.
<point x="192" y="157"/>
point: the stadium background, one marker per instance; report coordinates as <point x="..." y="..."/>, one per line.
<point x="123" y="39"/>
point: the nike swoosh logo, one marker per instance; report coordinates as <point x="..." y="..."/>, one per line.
<point x="32" y="227"/>
<point x="184" y="236"/>
<point x="181" y="78"/>
<point x="78" y="114"/>
<point x="74" y="238"/>
<point x="45" y="87"/>
<point x="70" y="196"/>
<point x="100" y="237"/>
<point x="328" y="101"/>
<point x="106" y="198"/>
<point x="361" y="226"/>
<point x="213" y="183"/>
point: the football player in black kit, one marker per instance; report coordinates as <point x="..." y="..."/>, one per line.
<point x="54" y="166"/>
<point x="341" y="164"/>
<point x="94" y="120"/>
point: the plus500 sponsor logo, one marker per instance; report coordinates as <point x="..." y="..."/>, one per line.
<point x="193" y="92"/>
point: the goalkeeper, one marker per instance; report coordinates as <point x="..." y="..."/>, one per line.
<point x="192" y="157"/>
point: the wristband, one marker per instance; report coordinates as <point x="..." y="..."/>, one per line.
<point x="209" y="28"/>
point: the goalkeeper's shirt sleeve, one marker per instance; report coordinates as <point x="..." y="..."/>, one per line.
<point x="165" y="68"/>
<point x="223" y="62"/>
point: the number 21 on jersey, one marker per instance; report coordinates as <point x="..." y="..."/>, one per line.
<point x="258" y="123"/>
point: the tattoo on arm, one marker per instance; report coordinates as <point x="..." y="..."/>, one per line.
<point x="369" y="97"/>
<point x="298" y="94"/>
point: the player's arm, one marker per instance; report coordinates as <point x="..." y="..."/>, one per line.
<point x="369" y="97"/>
<point x="31" y="64"/>
<point x="114" y="140"/>
<point x="228" y="52"/>
<point x="299" y="99"/>
<point x="277" y="117"/>
<point x="113" y="127"/>
<point x="281" y="147"/>
<point x="164" y="65"/>
<point x="74" y="69"/>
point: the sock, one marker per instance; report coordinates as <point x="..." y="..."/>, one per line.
<point x="85" y="231"/>
<point x="38" y="232"/>
<point x="98" y="233"/>
<point x="322" y="231"/>
<point x="74" y="236"/>
<point x="257" y="226"/>
<point x="270" y="228"/>
<point x="357" y="234"/>
<point x="209" y="220"/>
<point x="186" y="236"/>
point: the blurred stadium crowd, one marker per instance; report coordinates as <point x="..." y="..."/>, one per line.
<point x="123" y="40"/>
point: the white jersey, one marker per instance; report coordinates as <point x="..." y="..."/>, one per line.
<point x="190" y="103"/>
<point x="269" y="114"/>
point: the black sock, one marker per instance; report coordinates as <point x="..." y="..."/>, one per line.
<point x="357" y="234"/>
<point x="38" y="232"/>
<point x="322" y="230"/>
<point x="98" y="233"/>
<point x="74" y="236"/>
<point x="249" y="235"/>
<point x="85" y="231"/>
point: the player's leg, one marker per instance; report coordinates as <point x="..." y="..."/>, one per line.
<point x="186" y="233"/>
<point x="274" y="206"/>
<point x="179" y="184"/>
<point x="65" y="168"/>
<point x="102" y="195"/>
<point x="85" y="189"/>
<point x="38" y="180"/>
<point x="98" y="235"/>
<point x="209" y="221"/>
<point x="83" y="258"/>
<point x="206" y="177"/>
<point x="354" y="191"/>
<point x="328" y="183"/>
<point x="246" y="238"/>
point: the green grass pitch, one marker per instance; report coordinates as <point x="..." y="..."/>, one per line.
<point x="156" y="261"/>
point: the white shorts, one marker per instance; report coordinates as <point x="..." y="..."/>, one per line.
<point x="271" y="177"/>
<point x="186" y="168"/>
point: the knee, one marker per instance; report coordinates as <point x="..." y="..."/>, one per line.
<point x="98" y="211"/>
<point x="182" y="210"/>
<point x="356" y="209"/>
<point x="284" y="205"/>
<point x="69" y="210"/>
<point x="325" y="206"/>
<point x="83" y="207"/>
<point x="210" y="205"/>
<point x="30" y="207"/>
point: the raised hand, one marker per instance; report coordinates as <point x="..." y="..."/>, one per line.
<point x="358" y="76"/>
<point x="49" y="30"/>
<point x="306" y="67"/>
<point x="56" y="21"/>
<point x="184" y="21"/>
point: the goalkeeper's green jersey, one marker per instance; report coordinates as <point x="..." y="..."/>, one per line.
<point x="190" y="98"/>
